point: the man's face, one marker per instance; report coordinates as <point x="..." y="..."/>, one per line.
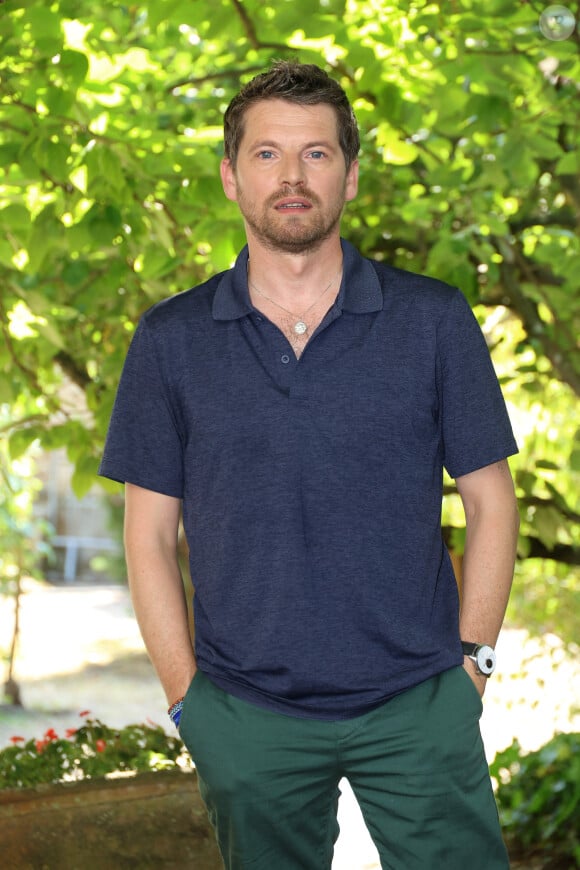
<point x="290" y="180"/>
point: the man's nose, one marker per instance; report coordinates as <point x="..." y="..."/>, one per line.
<point x="291" y="170"/>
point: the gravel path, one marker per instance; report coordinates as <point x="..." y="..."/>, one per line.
<point x="81" y="650"/>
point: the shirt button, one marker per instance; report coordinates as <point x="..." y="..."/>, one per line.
<point x="285" y="359"/>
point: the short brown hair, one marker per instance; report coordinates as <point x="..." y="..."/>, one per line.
<point x="303" y="83"/>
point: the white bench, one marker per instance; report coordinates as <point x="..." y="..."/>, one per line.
<point x="72" y="544"/>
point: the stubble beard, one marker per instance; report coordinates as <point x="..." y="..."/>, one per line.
<point x="293" y="235"/>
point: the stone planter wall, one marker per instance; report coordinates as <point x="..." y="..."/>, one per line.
<point x="152" y="820"/>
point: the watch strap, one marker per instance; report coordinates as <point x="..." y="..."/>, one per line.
<point x="469" y="649"/>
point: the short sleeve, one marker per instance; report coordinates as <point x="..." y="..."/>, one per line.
<point x="143" y="444"/>
<point x="475" y="422"/>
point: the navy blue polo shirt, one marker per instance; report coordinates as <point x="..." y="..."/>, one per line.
<point x="312" y="488"/>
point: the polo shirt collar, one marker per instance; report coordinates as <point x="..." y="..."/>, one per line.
<point x="360" y="291"/>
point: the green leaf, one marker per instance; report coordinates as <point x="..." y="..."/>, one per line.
<point x="569" y="164"/>
<point x="15" y="217"/>
<point x="50" y="332"/>
<point x="84" y="475"/>
<point x="393" y="148"/>
<point x="20" y="441"/>
<point x="74" y="66"/>
<point x="489" y="112"/>
<point x="59" y="100"/>
<point x="43" y="21"/>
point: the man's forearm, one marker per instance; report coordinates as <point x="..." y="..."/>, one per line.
<point x="488" y="566"/>
<point x="151" y="529"/>
<point x="492" y="524"/>
<point x="161" y="610"/>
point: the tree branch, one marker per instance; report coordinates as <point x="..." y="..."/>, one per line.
<point x="247" y="24"/>
<point x="251" y="34"/>
<point x="69" y="366"/>
<point x="563" y="218"/>
<point x="231" y="72"/>
<point x="564" y="553"/>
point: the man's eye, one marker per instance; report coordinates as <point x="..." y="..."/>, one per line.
<point x="317" y="155"/>
<point x="265" y="155"/>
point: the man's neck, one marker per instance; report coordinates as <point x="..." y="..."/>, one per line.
<point x="294" y="279"/>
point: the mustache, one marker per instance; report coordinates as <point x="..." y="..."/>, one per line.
<point x="294" y="190"/>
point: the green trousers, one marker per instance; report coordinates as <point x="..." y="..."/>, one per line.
<point x="416" y="766"/>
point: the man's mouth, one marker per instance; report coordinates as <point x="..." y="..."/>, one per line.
<point x="292" y="204"/>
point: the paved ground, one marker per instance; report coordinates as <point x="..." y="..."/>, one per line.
<point x="81" y="650"/>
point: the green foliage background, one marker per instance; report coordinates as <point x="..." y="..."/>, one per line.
<point x="538" y="797"/>
<point x="110" y="199"/>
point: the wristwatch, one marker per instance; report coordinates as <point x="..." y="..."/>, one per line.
<point x="483" y="656"/>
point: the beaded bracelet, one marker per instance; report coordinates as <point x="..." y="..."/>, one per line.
<point x="175" y="711"/>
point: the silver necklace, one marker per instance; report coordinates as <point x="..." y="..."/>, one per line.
<point x="300" y="326"/>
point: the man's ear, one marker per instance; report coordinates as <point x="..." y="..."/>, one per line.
<point x="351" y="188"/>
<point x="228" y="176"/>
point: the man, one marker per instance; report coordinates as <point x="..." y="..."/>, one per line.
<point x="300" y="408"/>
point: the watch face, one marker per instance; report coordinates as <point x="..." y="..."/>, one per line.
<point x="485" y="660"/>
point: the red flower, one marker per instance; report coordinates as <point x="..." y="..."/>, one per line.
<point x="17" y="739"/>
<point x="70" y="732"/>
<point x="41" y="745"/>
<point x="84" y="713"/>
<point x="100" y="745"/>
<point x="50" y="735"/>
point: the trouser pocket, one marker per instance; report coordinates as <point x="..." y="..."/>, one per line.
<point x="190" y="705"/>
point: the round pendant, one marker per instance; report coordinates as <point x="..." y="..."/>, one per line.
<point x="300" y="327"/>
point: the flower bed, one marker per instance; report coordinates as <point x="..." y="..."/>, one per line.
<point x="93" y="749"/>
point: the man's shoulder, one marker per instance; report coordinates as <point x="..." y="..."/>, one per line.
<point x="374" y="283"/>
<point x="184" y="307"/>
<point x="399" y="281"/>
